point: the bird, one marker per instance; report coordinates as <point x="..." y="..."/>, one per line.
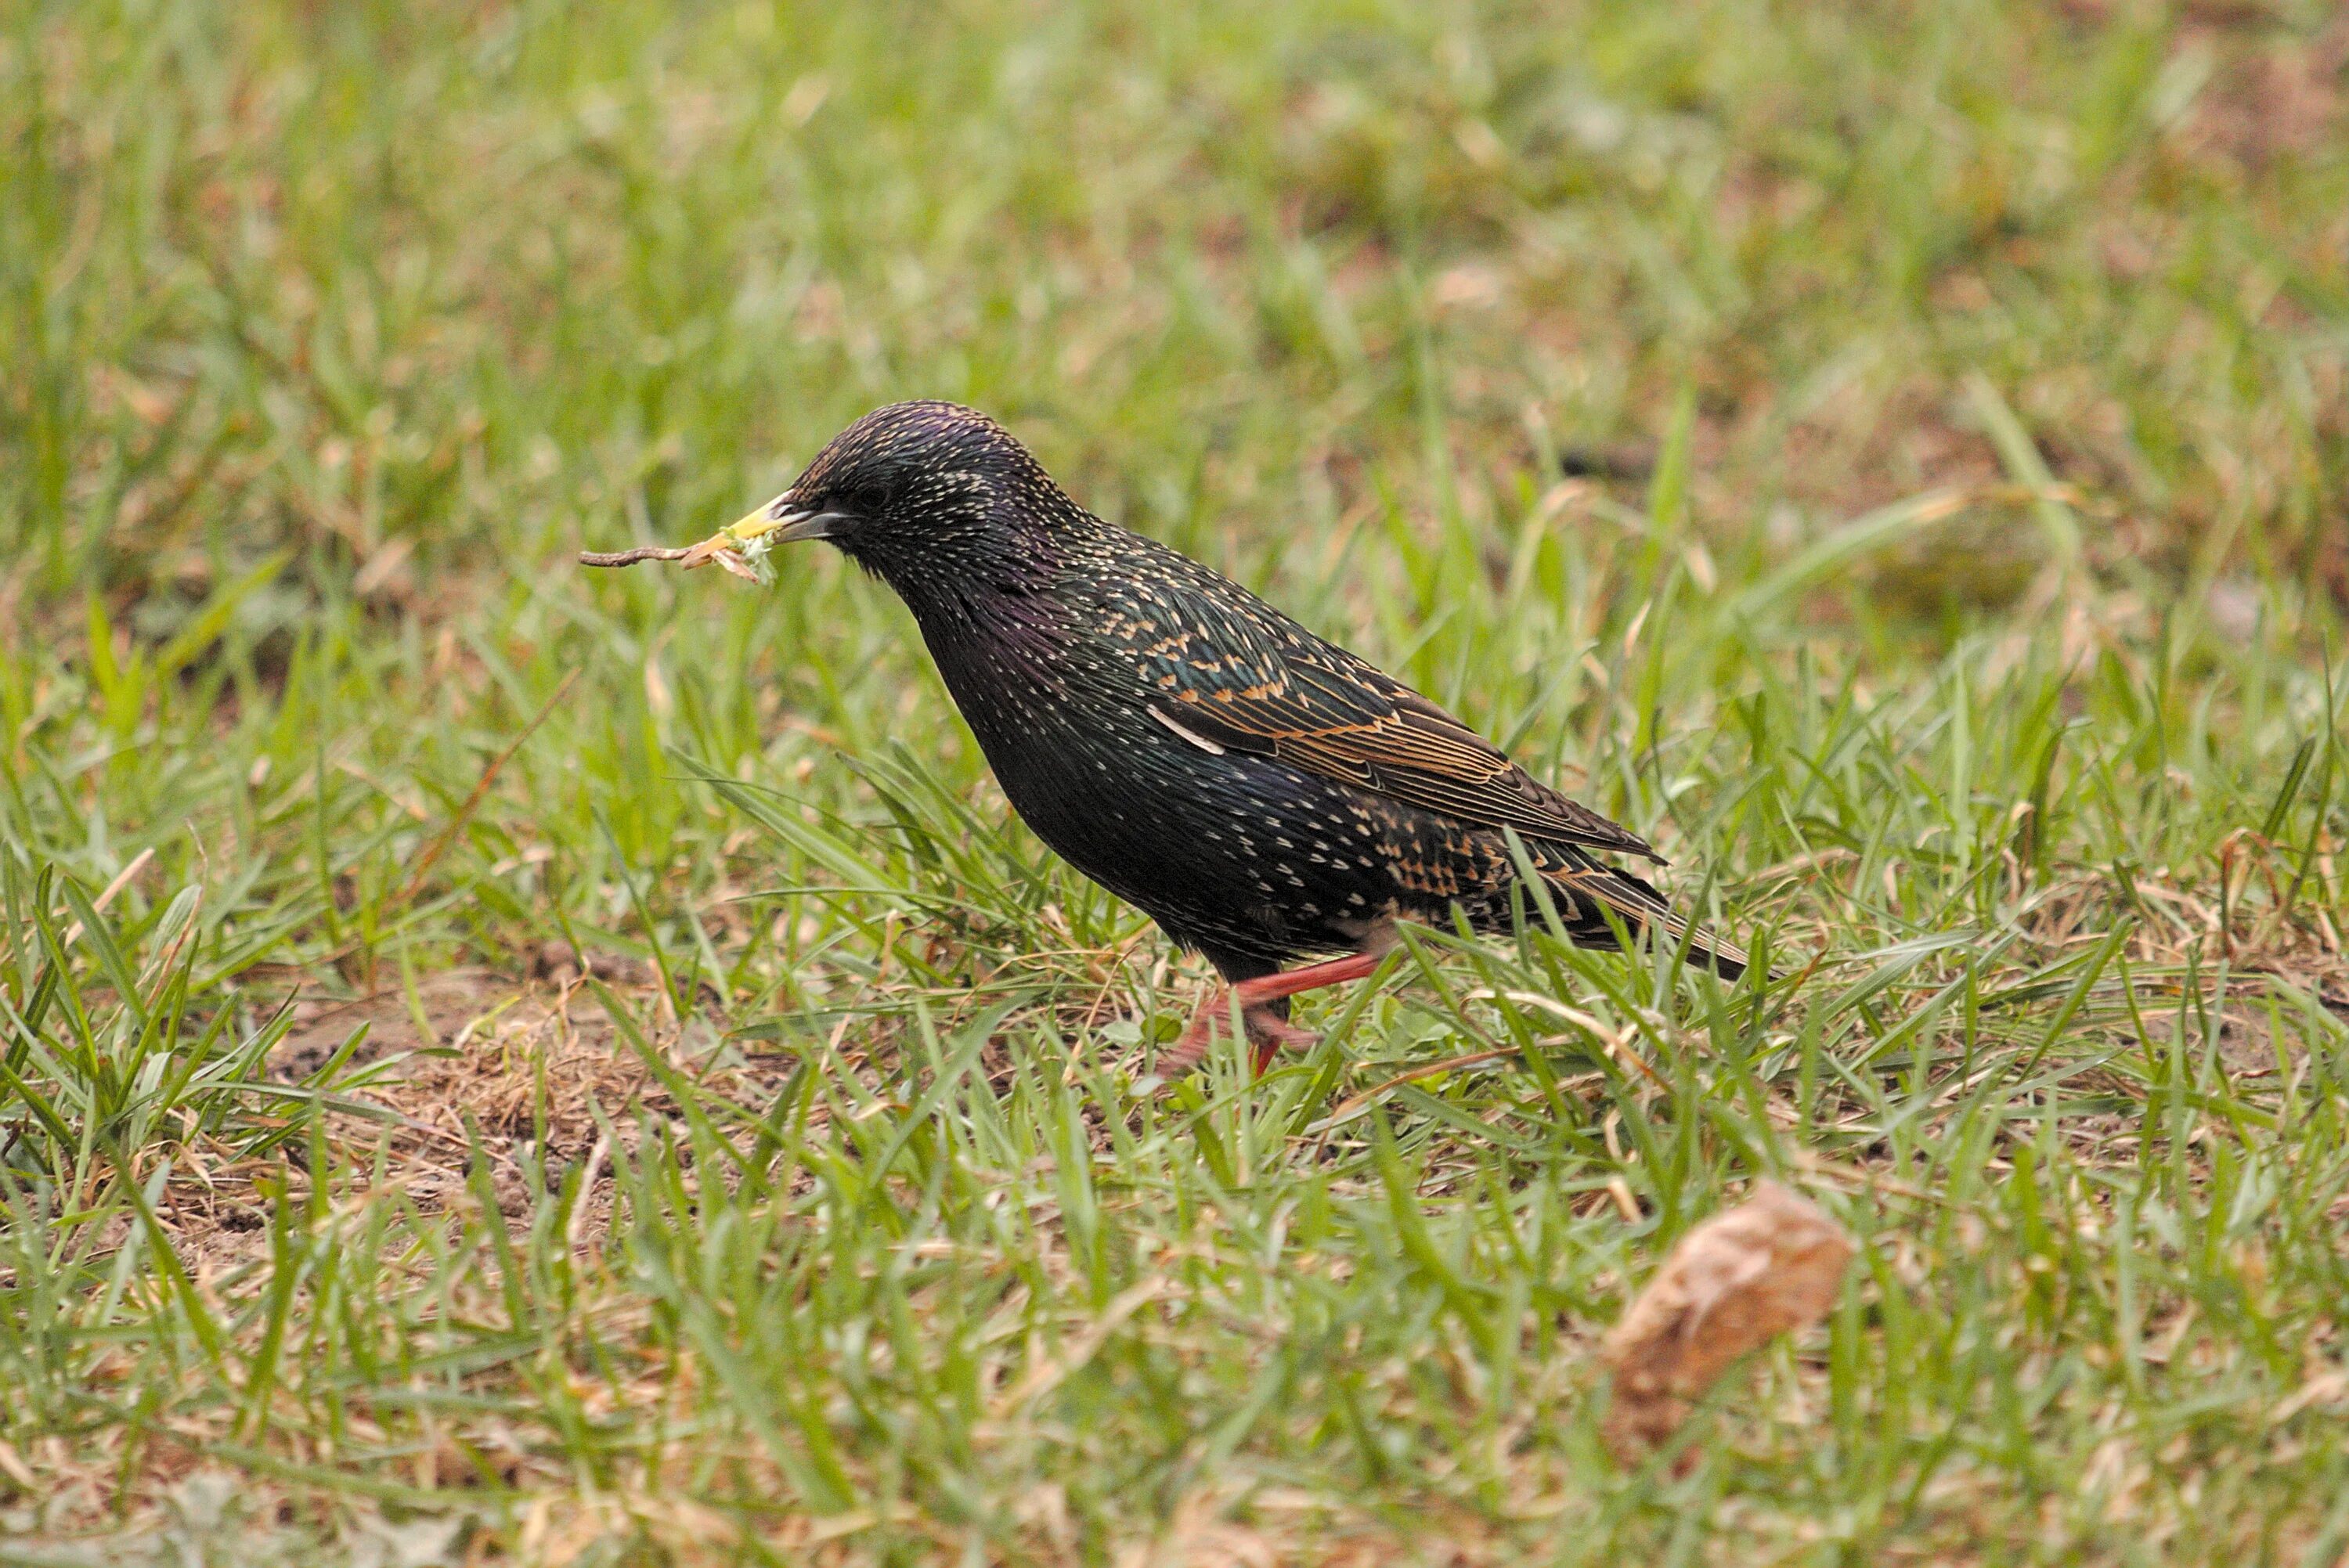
<point x="1274" y="802"/>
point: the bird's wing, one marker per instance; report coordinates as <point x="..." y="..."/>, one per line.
<point x="1259" y="684"/>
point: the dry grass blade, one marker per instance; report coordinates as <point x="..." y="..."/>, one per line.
<point x="1047" y="1374"/>
<point x="1354" y="1105"/>
<point x="1770" y="1264"/>
<point x="473" y="803"/>
<point x="122" y="878"/>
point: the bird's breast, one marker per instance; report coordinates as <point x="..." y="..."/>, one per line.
<point x="1223" y="849"/>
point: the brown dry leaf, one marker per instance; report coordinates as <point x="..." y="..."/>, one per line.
<point x="1770" y="1264"/>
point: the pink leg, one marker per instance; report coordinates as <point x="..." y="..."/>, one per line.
<point x="1267" y="1030"/>
<point x="1311" y="977"/>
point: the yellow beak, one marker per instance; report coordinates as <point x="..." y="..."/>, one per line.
<point x="776" y="515"/>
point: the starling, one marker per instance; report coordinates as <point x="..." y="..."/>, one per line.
<point x="1264" y="795"/>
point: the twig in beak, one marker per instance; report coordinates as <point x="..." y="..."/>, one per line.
<point x="630" y="557"/>
<point x="716" y="547"/>
<point x="739" y="556"/>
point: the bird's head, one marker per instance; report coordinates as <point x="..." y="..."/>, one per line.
<point x="917" y="493"/>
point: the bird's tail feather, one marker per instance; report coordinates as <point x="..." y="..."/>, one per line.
<point x="1641" y="910"/>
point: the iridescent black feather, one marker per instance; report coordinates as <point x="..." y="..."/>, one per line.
<point x="1261" y="794"/>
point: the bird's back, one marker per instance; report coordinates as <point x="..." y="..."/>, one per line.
<point x="1261" y="791"/>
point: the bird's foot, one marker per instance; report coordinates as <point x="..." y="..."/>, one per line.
<point x="1261" y="1011"/>
<point x="1267" y="1031"/>
<point x="1271" y="1034"/>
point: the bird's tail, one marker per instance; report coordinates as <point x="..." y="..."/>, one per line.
<point x="1642" y="911"/>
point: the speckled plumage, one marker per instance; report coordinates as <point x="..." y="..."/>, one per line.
<point x="1261" y="794"/>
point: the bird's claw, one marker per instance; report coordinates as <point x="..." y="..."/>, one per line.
<point x="1267" y="1031"/>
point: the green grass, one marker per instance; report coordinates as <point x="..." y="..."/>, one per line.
<point x="1964" y="620"/>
